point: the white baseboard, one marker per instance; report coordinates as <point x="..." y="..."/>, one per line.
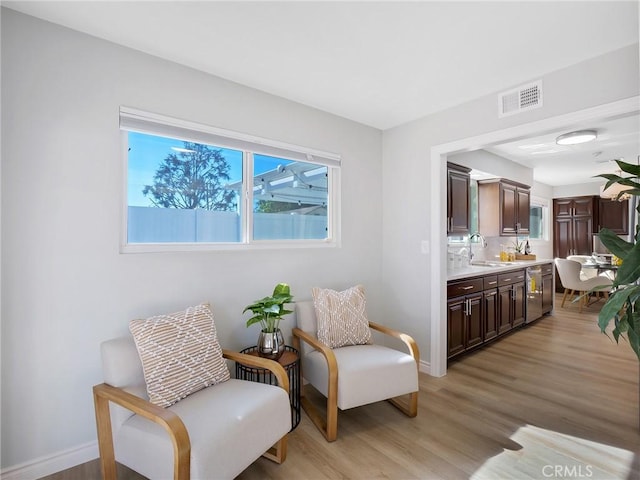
<point x="47" y="465"/>
<point x="424" y="367"/>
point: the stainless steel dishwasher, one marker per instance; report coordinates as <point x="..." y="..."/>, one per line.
<point x="534" y="293"/>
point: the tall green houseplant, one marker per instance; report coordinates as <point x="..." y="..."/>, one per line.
<point x="623" y="306"/>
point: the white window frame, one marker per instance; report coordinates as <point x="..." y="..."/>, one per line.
<point x="546" y="214"/>
<point x="160" y="125"/>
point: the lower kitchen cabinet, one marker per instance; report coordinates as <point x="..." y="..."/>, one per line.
<point x="490" y="307"/>
<point x="480" y="309"/>
<point x="464" y="315"/>
<point x="511" y="300"/>
<point x="505" y="300"/>
<point x="464" y="329"/>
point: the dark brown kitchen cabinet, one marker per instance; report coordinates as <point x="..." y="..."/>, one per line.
<point x="464" y="328"/>
<point x="574" y="207"/>
<point x="490" y="306"/>
<point x="458" y="199"/>
<point x="464" y="316"/>
<point x="479" y="308"/>
<point x="456" y="320"/>
<point x="503" y="208"/>
<point x="511" y="300"/>
<point x="614" y="215"/>
<point x="574" y="225"/>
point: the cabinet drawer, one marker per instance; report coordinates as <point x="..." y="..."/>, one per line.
<point x="490" y="281"/>
<point x="464" y="287"/>
<point x="547" y="269"/>
<point x="511" y="277"/>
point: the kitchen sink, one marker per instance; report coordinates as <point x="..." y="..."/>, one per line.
<point x="489" y="263"/>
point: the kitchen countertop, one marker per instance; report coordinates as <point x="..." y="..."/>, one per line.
<point x="481" y="270"/>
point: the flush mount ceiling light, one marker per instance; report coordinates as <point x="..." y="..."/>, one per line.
<point x="579" y="136"/>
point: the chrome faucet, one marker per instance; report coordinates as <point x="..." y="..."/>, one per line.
<point x="471" y="237"/>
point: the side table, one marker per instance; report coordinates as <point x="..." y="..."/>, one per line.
<point x="290" y="360"/>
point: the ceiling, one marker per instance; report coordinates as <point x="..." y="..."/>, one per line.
<point x="378" y="63"/>
<point x="555" y="165"/>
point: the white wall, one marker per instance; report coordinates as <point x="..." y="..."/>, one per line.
<point x="409" y="181"/>
<point x="577" y="190"/>
<point x="66" y="287"/>
<point x="495" y="165"/>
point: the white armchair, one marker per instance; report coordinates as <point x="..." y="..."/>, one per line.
<point x="215" y="432"/>
<point x="355" y="375"/>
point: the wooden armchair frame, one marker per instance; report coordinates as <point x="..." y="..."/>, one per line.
<point x="329" y="425"/>
<point x="104" y="393"/>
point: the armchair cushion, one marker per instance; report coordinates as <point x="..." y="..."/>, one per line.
<point x="229" y="426"/>
<point x="394" y="372"/>
<point x="342" y="318"/>
<point x="180" y="353"/>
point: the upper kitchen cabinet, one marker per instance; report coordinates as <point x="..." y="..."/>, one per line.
<point x="574" y="223"/>
<point x="503" y="208"/>
<point x="458" y="199"/>
<point x="574" y="207"/>
<point x="576" y="219"/>
<point x="613" y="215"/>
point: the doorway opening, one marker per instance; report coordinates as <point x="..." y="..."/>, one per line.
<point x="438" y="236"/>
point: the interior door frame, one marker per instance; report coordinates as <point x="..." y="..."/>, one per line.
<point x="438" y="227"/>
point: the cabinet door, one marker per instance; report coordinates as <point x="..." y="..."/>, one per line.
<point x="474" y="321"/>
<point x="563" y="207"/>
<point x="458" y="202"/>
<point x="505" y="304"/>
<point x="524" y="211"/>
<point x="547" y="293"/>
<point x="490" y="298"/>
<point x="582" y="236"/>
<point x="456" y="316"/>
<point x="563" y="236"/>
<point x="614" y="215"/>
<point x="508" y="212"/>
<point x="582" y="206"/>
<point x="519" y="300"/>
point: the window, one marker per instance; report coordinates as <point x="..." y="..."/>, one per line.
<point x="538" y="220"/>
<point x="194" y="187"/>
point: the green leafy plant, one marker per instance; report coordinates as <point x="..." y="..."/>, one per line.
<point x="268" y="311"/>
<point x="623" y="306"/>
<point x="519" y="246"/>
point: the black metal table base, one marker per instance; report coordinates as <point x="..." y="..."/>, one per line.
<point x="290" y="361"/>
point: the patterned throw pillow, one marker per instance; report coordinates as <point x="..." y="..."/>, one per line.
<point x="342" y="318"/>
<point x="180" y="353"/>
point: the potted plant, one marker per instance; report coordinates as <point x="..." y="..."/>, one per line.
<point x="268" y="312"/>
<point x="623" y="305"/>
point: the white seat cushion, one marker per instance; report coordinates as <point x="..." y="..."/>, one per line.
<point x="367" y="374"/>
<point x="227" y="423"/>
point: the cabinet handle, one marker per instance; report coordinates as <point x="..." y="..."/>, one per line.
<point x="492" y="283"/>
<point x="520" y="277"/>
<point x="469" y="308"/>
<point x="507" y="279"/>
<point x="513" y="292"/>
<point x="469" y="287"/>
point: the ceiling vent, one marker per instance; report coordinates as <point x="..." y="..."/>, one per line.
<point x="520" y="99"/>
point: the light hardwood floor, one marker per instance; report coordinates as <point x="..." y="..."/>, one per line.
<point x="556" y="399"/>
